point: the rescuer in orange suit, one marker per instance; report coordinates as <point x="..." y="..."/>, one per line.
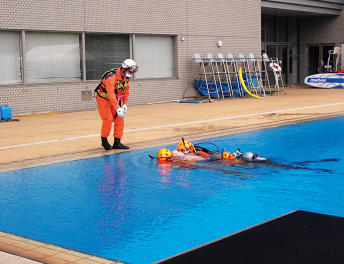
<point x="112" y="99"/>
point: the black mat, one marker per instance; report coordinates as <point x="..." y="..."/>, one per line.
<point x="9" y="120"/>
<point x="297" y="237"/>
<point x="197" y="101"/>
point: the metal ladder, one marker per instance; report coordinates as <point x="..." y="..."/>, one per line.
<point x="234" y="75"/>
<point x="216" y="75"/>
<point x="243" y="63"/>
<point x="225" y="67"/>
<point x="204" y="72"/>
<point x="277" y="75"/>
<point x="255" y="73"/>
<point x="265" y="75"/>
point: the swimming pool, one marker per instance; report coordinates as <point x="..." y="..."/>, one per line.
<point x="127" y="208"/>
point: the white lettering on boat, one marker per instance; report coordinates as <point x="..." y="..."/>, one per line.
<point x="317" y="80"/>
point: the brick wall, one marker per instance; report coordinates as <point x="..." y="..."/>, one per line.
<point x="235" y="22"/>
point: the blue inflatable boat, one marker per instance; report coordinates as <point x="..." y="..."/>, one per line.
<point x="326" y="80"/>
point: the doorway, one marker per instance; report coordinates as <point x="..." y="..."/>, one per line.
<point x="318" y="58"/>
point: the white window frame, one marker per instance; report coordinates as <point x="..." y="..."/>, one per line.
<point x="155" y="56"/>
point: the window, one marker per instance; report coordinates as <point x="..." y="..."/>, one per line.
<point x="294" y="30"/>
<point x="282" y="29"/>
<point x="52" y="57"/>
<point x="271" y="28"/>
<point x="263" y="28"/>
<point x="10" y="58"/>
<point x="105" y="52"/>
<point x="154" y="56"/>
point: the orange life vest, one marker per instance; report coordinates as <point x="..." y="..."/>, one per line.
<point x="119" y="88"/>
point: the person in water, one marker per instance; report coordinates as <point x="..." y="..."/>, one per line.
<point x="186" y="156"/>
<point x="186" y="151"/>
<point x="228" y="158"/>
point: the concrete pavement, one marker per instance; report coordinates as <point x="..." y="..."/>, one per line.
<point x="50" y="138"/>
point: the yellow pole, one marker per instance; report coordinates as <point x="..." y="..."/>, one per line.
<point x="243" y="84"/>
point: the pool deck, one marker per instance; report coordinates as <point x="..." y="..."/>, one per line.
<point x="41" y="139"/>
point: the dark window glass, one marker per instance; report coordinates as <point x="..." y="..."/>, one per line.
<point x="271" y="29"/>
<point x="104" y="52"/>
<point x="282" y="29"/>
<point x="294" y="32"/>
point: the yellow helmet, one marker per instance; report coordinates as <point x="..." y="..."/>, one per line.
<point x="164" y="155"/>
<point x="227" y="156"/>
<point x="185" y="146"/>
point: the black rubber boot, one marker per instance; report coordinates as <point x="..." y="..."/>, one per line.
<point x="118" y="145"/>
<point x="105" y="143"/>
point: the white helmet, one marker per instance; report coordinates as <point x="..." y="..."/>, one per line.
<point x="130" y="65"/>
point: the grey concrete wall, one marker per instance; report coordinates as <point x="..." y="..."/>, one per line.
<point x="202" y="23"/>
<point x="324" y="7"/>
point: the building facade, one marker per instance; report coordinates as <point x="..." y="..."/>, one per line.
<point x="57" y="50"/>
<point x="300" y="33"/>
<point x="53" y="53"/>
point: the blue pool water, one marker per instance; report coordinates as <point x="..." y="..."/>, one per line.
<point x="127" y="208"/>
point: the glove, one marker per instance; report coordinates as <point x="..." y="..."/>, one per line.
<point x="120" y="112"/>
<point x="125" y="108"/>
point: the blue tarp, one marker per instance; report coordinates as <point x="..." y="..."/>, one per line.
<point x="253" y="79"/>
<point x="212" y="88"/>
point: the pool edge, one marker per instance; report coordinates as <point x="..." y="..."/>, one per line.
<point x="31" y="163"/>
<point x="47" y="253"/>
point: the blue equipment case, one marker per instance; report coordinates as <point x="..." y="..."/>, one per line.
<point x="6" y="112"/>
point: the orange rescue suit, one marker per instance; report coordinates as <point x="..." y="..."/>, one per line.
<point x="113" y="89"/>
